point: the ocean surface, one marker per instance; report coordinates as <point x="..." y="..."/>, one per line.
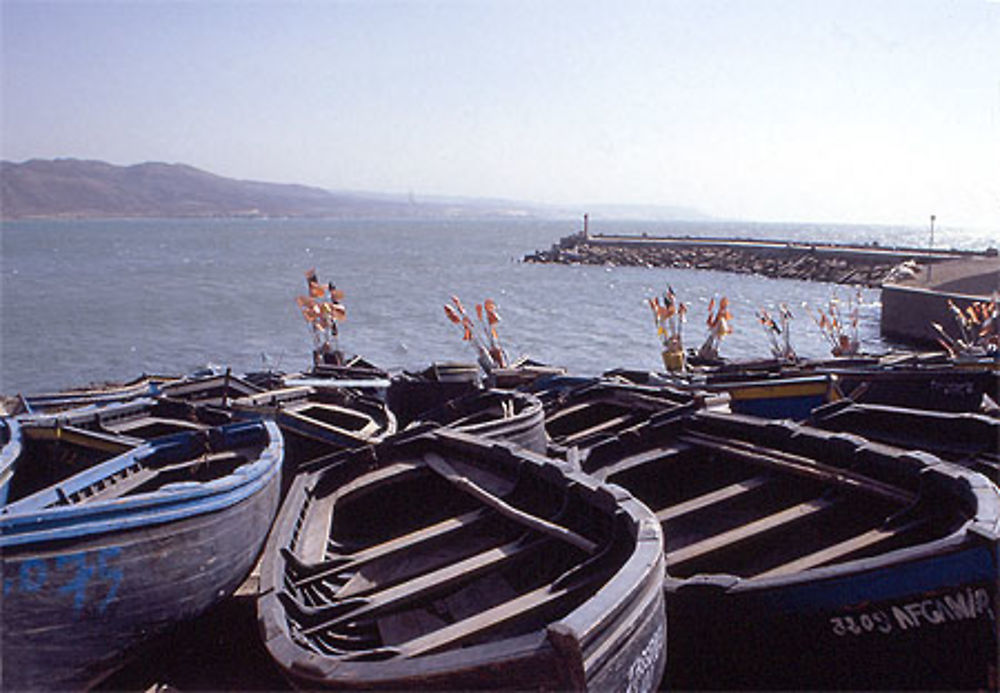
<point x="95" y="301"/>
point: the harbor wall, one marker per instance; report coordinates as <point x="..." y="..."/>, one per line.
<point x="917" y="283"/>
<point x="909" y="311"/>
<point x="841" y="264"/>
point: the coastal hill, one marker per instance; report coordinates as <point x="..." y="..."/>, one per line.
<point x="73" y="188"/>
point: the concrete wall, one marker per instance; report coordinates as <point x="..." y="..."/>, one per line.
<point x="907" y="313"/>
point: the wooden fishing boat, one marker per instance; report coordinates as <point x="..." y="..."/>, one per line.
<point x="41" y="451"/>
<point x="770" y="394"/>
<point x="582" y="412"/>
<point x="411" y="394"/>
<point x="144" y="386"/>
<point x="211" y="389"/>
<point x="942" y="388"/>
<point x="10" y="451"/>
<point x="443" y="560"/>
<point x="521" y="373"/>
<point x="133" y="421"/>
<point x="320" y="421"/>
<point x="517" y="417"/>
<point x="352" y="368"/>
<point x="801" y="558"/>
<point x="102" y="559"/>
<point x="969" y="439"/>
<point x="782" y="397"/>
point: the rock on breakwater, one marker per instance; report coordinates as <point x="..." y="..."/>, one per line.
<point x="865" y="266"/>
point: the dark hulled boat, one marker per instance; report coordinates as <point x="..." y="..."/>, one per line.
<point x="517" y="417"/>
<point x="580" y="413"/>
<point x="941" y="388"/>
<point x="320" y="421"/>
<point x="101" y="559"/>
<point x="800" y="558"/>
<point x="443" y="560"/>
<point x="10" y="451"/>
<point x="411" y="394"/>
<point x="966" y="438"/>
<point x="209" y="389"/>
<point x="41" y="403"/>
<point x="754" y="390"/>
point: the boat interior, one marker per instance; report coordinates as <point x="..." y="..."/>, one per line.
<point x="96" y="467"/>
<point x="489" y="551"/>
<point x="754" y="499"/>
<point x="478" y="410"/>
<point x="967" y="438"/>
<point x="585" y="417"/>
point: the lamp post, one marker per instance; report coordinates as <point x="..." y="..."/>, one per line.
<point x="930" y="261"/>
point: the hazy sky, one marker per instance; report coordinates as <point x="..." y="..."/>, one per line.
<point x="879" y="111"/>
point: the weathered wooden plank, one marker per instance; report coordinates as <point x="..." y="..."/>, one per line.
<point x="800" y="466"/>
<point x="127" y="480"/>
<point x="639" y="459"/>
<point x="423" y="586"/>
<point x="715" y="543"/>
<point x="484" y="621"/>
<point x="839" y="550"/>
<point x="439" y="465"/>
<point x="94" y="440"/>
<point x="597" y="428"/>
<point x="126" y="426"/>
<point x="405" y="566"/>
<point x="711" y="498"/>
<point x="406" y="542"/>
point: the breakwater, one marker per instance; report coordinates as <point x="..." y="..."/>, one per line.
<point x="866" y="265"/>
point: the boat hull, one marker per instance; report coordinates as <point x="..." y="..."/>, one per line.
<point x="601" y="628"/>
<point x="926" y="623"/>
<point x="516" y="417"/>
<point x="85" y="587"/>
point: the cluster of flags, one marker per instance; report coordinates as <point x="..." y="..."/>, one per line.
<point x="669" y="315"/>
<point x="841" y="331"/>
<point x="978" y="325"/>
<point x="779" y="336"/>
<point x="488" y="348"/>
<point x="322" y="310"/>
<point x="718" y="327"/>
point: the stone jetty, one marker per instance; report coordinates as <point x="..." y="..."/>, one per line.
<point x="866" y="265"/>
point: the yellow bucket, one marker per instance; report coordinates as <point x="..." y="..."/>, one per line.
<point x="673" y="360"/>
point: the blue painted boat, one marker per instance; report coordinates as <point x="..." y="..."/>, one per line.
<point x="801" y="558"/>
<point x="144" y="386"/>
<point x="135" y="420"/>
<point x="10" y="451"/>
<point x="754" y="390"/>
<point x="441" y="560"/>
<point x="102" y="559"/>
<point x="776" y="397"/>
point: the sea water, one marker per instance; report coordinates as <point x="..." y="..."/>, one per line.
<point x="96" y="301"/>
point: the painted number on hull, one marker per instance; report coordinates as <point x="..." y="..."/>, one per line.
<point x="964" y="605"/>
<point x="89" y="579"/>
<point x="640" y="674"/>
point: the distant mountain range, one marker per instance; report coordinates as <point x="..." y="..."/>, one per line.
<point x="73" y="188"/>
